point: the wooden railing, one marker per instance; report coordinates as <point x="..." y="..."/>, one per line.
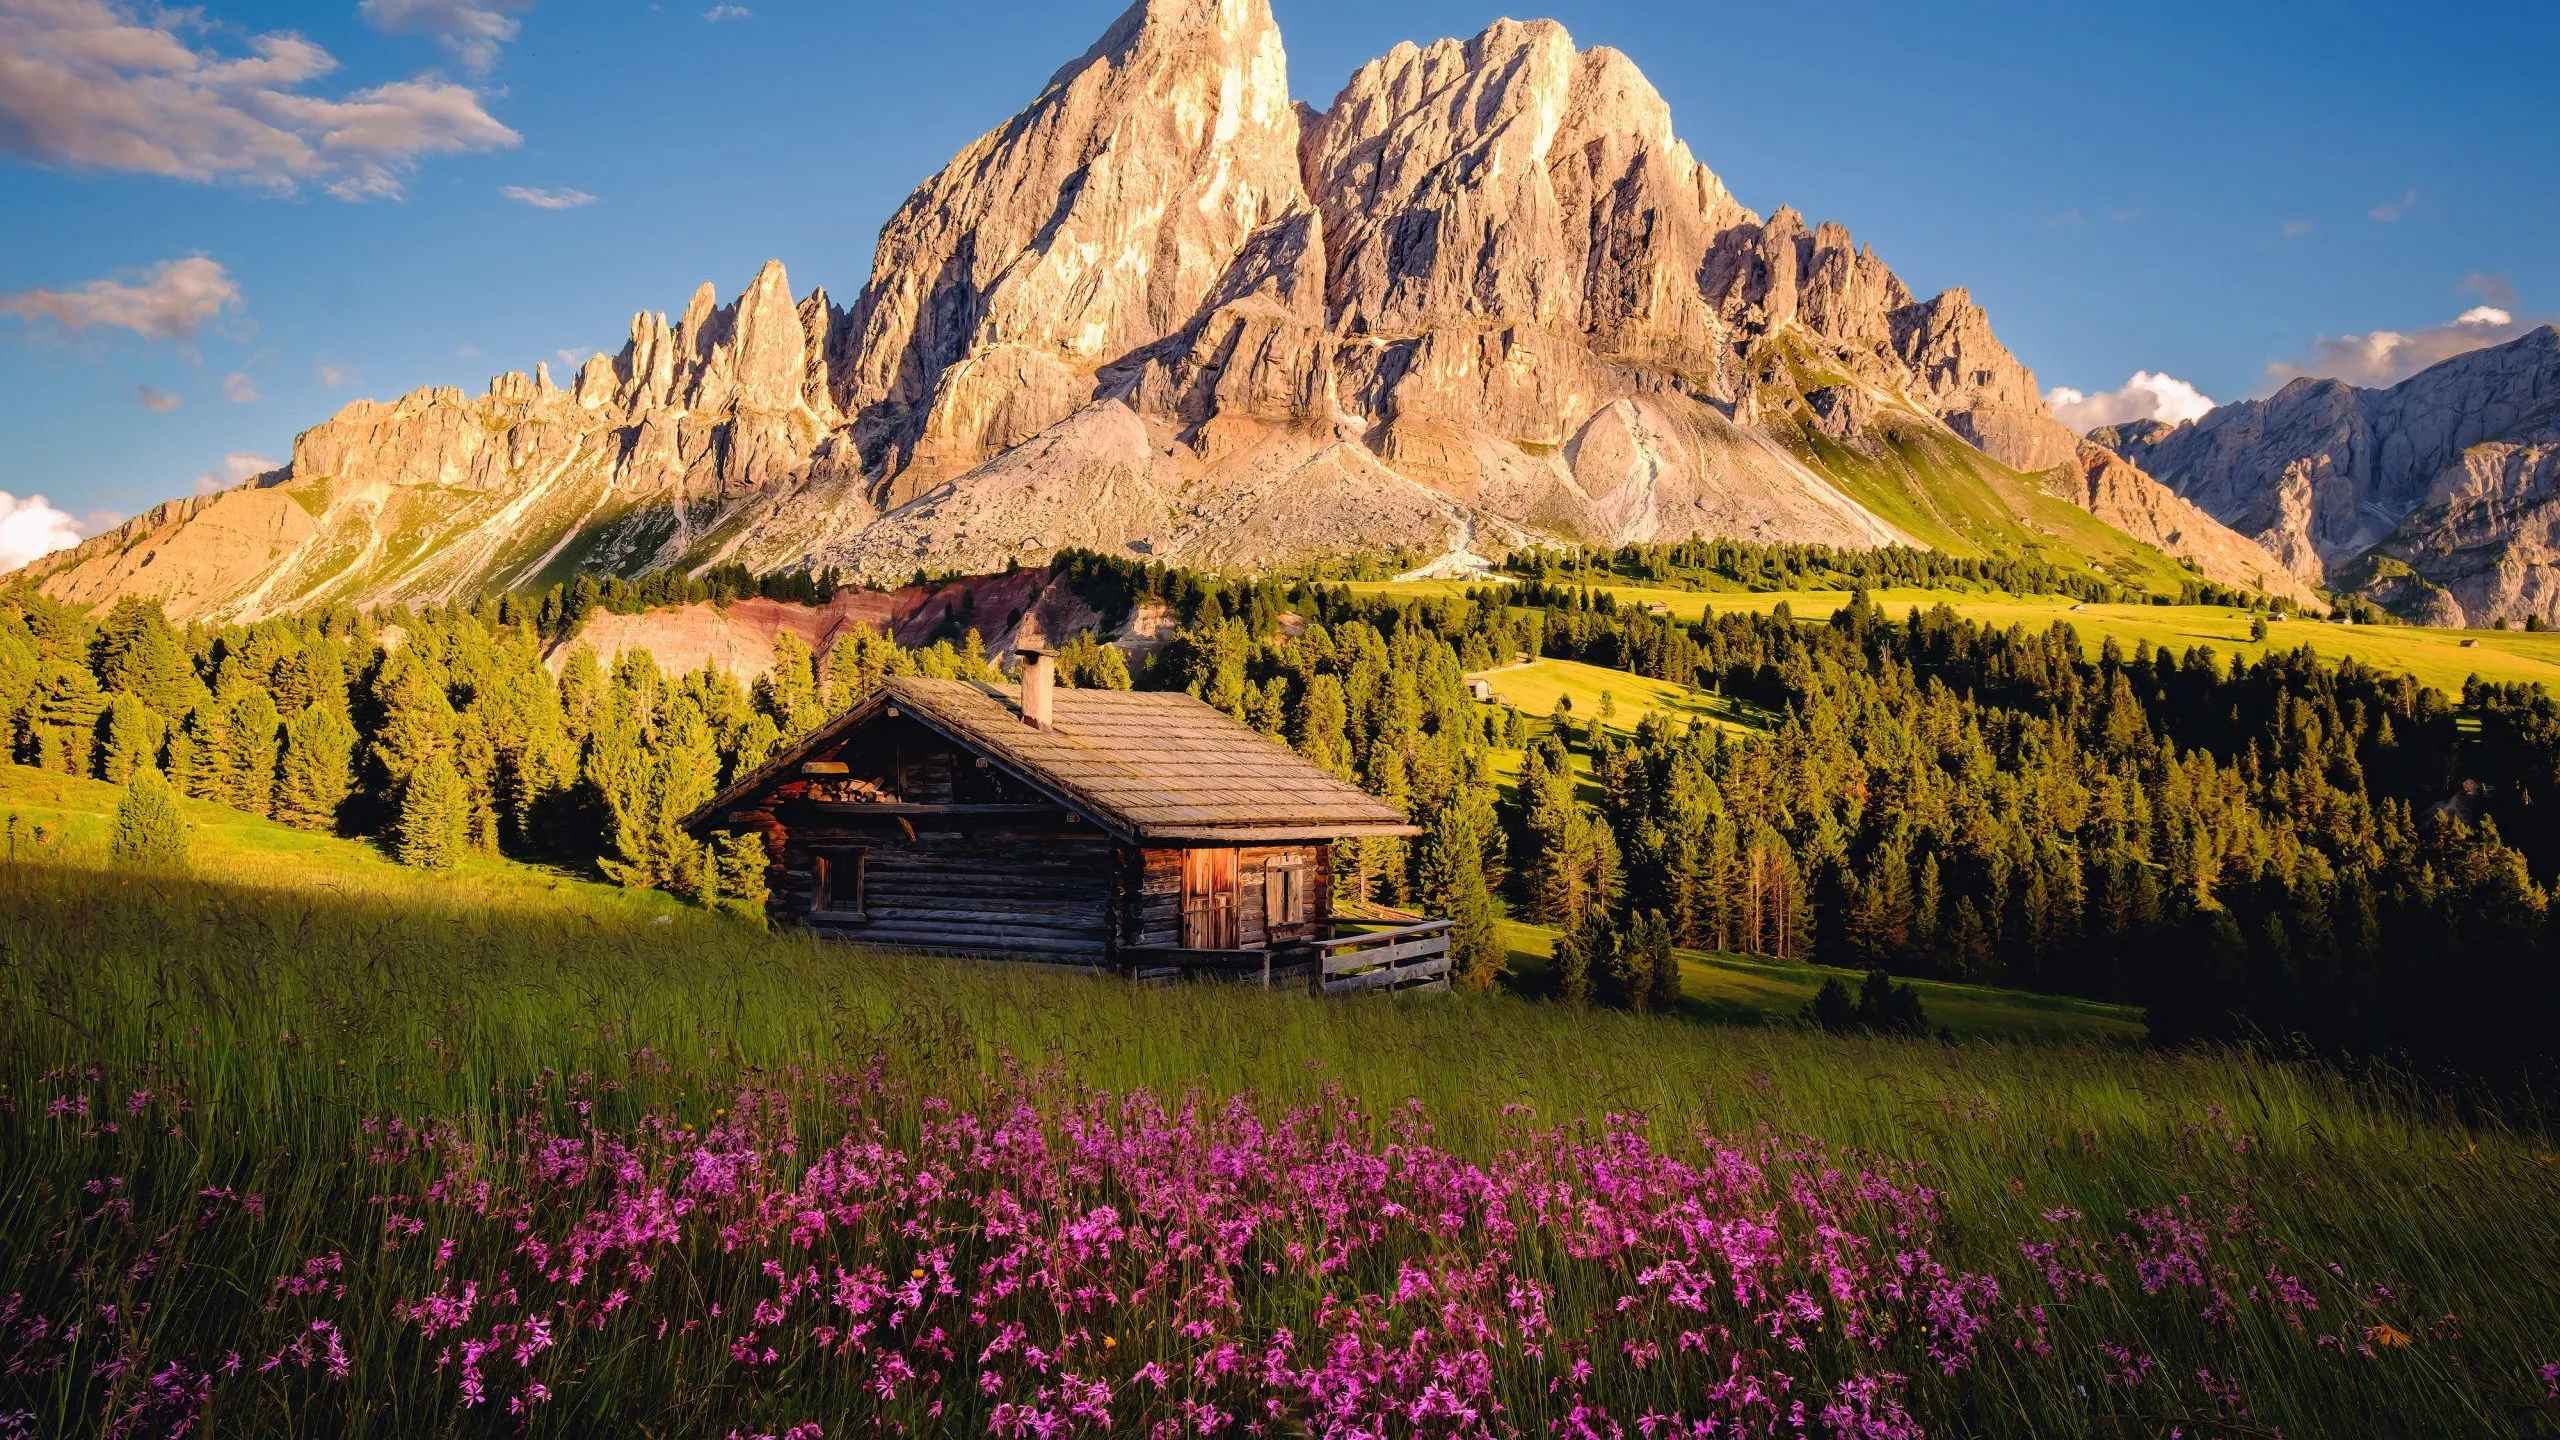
<point x="1409" y="957"/>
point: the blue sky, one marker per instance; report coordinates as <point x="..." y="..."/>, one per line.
<point x="2203" y="191"/>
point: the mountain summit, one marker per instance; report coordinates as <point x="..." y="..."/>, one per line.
<point x="1487" y="298"/>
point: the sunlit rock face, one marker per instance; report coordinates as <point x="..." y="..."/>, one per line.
<point x="1487" y="297"/>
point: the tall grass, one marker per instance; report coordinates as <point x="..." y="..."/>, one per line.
<point x="2364" y="1262"/>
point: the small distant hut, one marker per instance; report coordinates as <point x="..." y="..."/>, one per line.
<point x="1142" y="831"/>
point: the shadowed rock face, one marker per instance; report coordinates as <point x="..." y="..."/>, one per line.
<point x="1487" y="297"/>
<point x="2447" y="474"/>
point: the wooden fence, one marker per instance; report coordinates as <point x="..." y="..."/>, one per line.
<point x="1409" y="957"/>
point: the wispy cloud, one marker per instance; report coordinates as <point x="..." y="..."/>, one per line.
<point x="471" y="30"/>
<point x="2390" y="211"/>
<point x="563" y="199"/>
<point x="158" y="402"/>
<point x="32" y="528"/>
<point x="2387" y="357"/>
<point x="2295" y="229"/>
<point x="166" y="302"/>
<point x="718" y="13"/>
<point x="2149" y="395"/>
<point x="92" y="85"/>
<point x="240" y="388"/>
<point x="335" y="377"/>
<point x="237" y="466"/>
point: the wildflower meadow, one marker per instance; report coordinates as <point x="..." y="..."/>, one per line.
<point x="354" y="1159"/>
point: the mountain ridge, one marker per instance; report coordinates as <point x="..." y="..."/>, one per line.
<point x="2435" y="495"/>
<point x="1486" y="298"/>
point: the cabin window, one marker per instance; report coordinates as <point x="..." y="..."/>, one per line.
<point x="1284" y="891"/>
<point x="1209" y="900"/>
<point x="839" y="875"/>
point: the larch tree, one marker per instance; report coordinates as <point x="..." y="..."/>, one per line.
<point x="149" y="832"/>
<point x="435" y="815"/>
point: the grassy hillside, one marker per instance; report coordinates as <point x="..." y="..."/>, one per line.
<point x="1754" y="989"/>
<point x="2442" y="658"/>
<point x="1534" y="688"/>
<point x="514" y="1152"/>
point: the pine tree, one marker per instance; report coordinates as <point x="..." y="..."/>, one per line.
<point x="149" y="832"/>
<point x="435" y="815"/>
<point x="1452" y="866"/>
<point x="1089" y="664"/>
<point x="737" y="865"/>
<point x="1662" y="991"/>
<point x="129" y="739"/>
<point x="317" y="771"/>
<point x="788" y="693"/>
<point x="136" y="653"/>
<point x="254" y="737"/>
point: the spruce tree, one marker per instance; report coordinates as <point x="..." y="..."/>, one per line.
<point x="317" y="771"/>
<point x="1453" y="888"/>
<point x="149" y="833"/>
<point x="129" y="739"/>
<point x="253" y="738"/>
<point x="1663" y="989"/>
<point x="435" y="813"/>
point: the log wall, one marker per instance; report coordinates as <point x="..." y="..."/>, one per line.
<point x="1151" y="905"/>
<point x="1032" y="886"/>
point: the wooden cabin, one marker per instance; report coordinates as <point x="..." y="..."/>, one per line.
<point x="1137" y="830"/>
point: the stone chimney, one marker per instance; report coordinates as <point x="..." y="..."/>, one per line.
<point x="1039" y="682"/>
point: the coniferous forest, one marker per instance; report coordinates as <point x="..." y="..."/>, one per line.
<point x="2286" y="851"/>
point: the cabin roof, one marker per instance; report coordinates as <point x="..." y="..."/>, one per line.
<point x="1152" y="766"/>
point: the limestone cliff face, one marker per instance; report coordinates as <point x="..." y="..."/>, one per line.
<point x="2117" y="491"/>
<point x="2443" y="474"/>
<point x="1486" y="298"/>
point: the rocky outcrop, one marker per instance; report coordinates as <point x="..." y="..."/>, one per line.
<point x="2117" y="491"/>
<point x="2321" y="471"/>
<point x="2444" y="474"/>
<point x="1486" y="298"/>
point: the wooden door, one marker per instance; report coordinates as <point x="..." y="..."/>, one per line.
<point x="1209" y="900"/>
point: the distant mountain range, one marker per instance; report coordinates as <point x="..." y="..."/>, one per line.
<point x="2438" y="497"/>
<point x="1486" y="299"/>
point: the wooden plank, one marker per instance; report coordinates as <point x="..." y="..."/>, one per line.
<point x="1394" y="979"/>
<point x="1337" y="961"/>
<point x="1427" y="927"/>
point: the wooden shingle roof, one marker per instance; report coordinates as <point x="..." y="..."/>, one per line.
<point x="1154" y="766"/>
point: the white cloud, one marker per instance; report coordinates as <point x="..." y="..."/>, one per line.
<point x="2387" y="357"/>
<point x="471" y="31"/>
<point x="2392" y="210"/>
<point x="166" y="302"/>
<point x="2149" y="395"/>
<point x="335" y="377"/>
<point x="32" y="528"/>
<point x="90" y="85"/>
<point x="563" y="199"/>
<point x="158" y="402"/>
<point x="718" y="13"/>
<point x="237" y="466"/>
<point x="240" y="388"/>
<point x="2296" y="229"/>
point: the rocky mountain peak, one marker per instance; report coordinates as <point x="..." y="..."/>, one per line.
<point x="1095" y="222"/>
<point x="1487" y="297"/>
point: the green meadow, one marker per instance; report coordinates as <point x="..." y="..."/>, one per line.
<point x="2442" y="658"/>
<point x="300" y="993"/>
